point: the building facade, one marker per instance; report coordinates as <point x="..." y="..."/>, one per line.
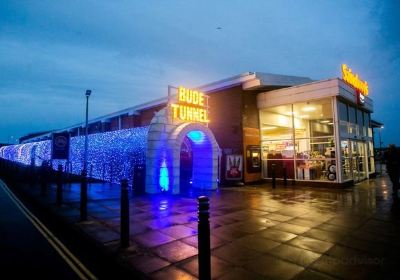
<point x="247" y="128"/>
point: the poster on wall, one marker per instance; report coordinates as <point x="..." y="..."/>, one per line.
<point x="234" y="167"/>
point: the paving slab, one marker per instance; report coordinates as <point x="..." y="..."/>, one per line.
<point x="294" y="232"/>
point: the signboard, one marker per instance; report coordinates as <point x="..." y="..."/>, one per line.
<point x="360" y="86"/>
<point x="60" y="146"/>
<point x="234" y="167"/>
<point x="360" y="97"/>
<point x="191" y="106"/>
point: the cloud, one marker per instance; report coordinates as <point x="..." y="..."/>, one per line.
<point x="128" y="52"/>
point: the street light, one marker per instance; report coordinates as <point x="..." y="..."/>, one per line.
<point x="88" y="92"/>
<point x="380" y="148"/>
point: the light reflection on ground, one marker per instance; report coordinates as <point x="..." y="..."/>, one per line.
<point x="256" y="231"/>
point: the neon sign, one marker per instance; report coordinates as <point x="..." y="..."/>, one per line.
<point x="354" y="80"/>
<point x="191" y="106"/>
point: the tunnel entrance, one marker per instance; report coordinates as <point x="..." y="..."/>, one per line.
<point x="186" y="166"/>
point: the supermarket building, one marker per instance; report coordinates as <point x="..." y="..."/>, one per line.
<point x="247" y="128"/>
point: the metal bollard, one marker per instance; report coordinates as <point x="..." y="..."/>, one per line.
<point x="59" y="191"/>
<point x="83" y="202"/>
<point x="273" y="176"/>
<point x="124" y="214"/>
<point x="204" y="257"/>
<point x="284" y="176"/>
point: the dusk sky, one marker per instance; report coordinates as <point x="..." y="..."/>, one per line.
<point x="128" y="52"/>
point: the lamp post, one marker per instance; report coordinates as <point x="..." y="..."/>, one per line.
<point x="380" y="148"/>
<point x="88" y="92"/>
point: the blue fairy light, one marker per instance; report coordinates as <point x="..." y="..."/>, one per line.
<point x="111" y="155"/>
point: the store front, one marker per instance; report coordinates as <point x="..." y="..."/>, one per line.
<point x="235" y="131"/>
<point x="317" y="132"/>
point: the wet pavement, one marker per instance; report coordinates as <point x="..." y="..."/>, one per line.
<point x="257" y="232"/>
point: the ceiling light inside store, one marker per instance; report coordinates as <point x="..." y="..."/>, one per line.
<point x="325" y="121"/>
<point x="308" y="109"/>
<point x="331" y="123"/>
<point x="291" y="113"/>
<point x="304" y="116"/>
<point x="268" y="127"/>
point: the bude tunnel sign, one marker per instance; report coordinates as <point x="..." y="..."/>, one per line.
<point x="191" y="106"/>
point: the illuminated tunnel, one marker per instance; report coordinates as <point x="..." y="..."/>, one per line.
<point x="163" y="157"/>
<point x="111" y="155"/>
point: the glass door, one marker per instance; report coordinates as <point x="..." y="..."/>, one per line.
<point x="346" y="160"/>
<point x="358" y="160"/>
<point x="362" y="161"/>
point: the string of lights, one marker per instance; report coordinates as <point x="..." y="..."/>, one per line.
<point x="111" y="155"/>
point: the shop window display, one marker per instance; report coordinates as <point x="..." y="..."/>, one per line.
<point x="314" y="163"/>
<point x="299" y="138"/>
<point x="279" y="153"/>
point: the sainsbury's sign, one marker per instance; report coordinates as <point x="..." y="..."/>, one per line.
<point x="354" y="80"/>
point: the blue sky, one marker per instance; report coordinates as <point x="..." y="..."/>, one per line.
<point x="128" y="52"/>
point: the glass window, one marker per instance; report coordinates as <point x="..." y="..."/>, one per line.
<point x="371" y="159"/>
<point x="367" y="124"/>
<point x="352" y="114"/>
<point x="343" y="112"/>
<point x="322" y="170"/>
<point x="346" y="160"/>
<point x="278" y="155"/>
<point x="352" y="120"/>
<point x="343" y="118"/>
<point x="277" y="143"/>
<point x="314" y="138"/>
<point x="360" y="123"/>
<point x="311" y="154"/>
<point x="276" y="122"/>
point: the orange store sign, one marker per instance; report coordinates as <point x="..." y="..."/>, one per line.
<point x="191" y="106"/>
<point x="354" y="80"/>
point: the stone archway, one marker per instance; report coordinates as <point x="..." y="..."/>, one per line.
<point x="163" y="155"/>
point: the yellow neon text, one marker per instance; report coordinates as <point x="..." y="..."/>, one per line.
<point x="354" y="80"/>
<point x="191" y="96"/>
<point x="189" y="113"/>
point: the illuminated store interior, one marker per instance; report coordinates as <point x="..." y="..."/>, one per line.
<point x="299" y="137"/>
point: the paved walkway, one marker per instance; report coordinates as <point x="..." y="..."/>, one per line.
<point x="257" y="232"/>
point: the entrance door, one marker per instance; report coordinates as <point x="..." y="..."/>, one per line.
<point x="186" y="166"/>
<point x="359" y="164"/>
